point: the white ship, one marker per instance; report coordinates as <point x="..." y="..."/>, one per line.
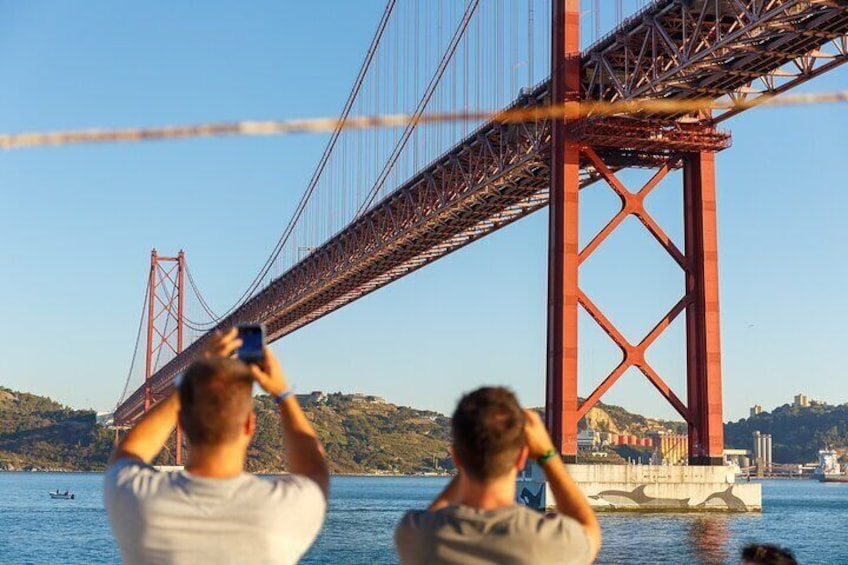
<point x="829" y="470"/>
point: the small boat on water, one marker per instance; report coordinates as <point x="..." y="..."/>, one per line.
<point x="68" y="495"/>
<point x="829" y="470"/>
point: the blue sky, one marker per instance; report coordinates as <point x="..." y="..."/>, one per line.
<point x="77" y="223"/>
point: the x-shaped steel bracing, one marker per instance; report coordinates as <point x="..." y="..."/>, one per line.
<point x="633" y="355"/>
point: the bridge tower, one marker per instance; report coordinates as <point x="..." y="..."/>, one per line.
<point x="572" y="150"/>
<point x="166" y="298"/>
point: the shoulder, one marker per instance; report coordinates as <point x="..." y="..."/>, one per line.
<point x="416" y="524"/>
<point x="416" y="519"/>
<point x="414" y="534"/>
<point x="129" y="479"/>
<point x="295" y="490"/>
<point x="424" y="519"/>
<point x="418" y="527"/>
<point x="125" y="470"/>
<point x="554" y="529"/>
<point x="553" y="521"/>
<point x="297" y="484"/>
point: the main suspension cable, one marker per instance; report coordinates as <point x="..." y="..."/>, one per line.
<point x="200" y="298"/>
<point x="419" y="111"/>
<point x="135" y="349"/>
<point x="338" y="127"/>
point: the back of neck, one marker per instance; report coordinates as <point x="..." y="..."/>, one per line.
<point x="218" y="462"/>
<point x="499" y="493"/>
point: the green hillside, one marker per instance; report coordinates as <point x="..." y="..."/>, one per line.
<point x="361" y="435"/>
<point x="38" y="433"/>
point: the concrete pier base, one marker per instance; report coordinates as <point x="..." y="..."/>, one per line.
<point x="653" y="488"/>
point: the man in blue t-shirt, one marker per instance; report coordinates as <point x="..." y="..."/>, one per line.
<point x="214" y="512"/>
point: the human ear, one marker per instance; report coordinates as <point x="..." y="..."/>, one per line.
<point x="250" y="424"/>
<point x="522" y="457"/>
<point x="456" y="462"/>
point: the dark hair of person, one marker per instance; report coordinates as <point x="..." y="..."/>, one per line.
<point x="215" y="400"/>
<point x="488" y="432"/>
<point x="767" y="554"/>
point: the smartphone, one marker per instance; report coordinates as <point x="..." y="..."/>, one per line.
<point x="253" y="343"/>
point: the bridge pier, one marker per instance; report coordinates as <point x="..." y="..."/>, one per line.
<point x="649" y="488"/>
<point x="703" y="340"/>
<point x="592" y="149"/>
<point x="563" y="234"/>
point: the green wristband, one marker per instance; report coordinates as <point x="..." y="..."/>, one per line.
<point x="546" y="456"/>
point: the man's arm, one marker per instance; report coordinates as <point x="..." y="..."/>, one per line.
<point x="305" y="453"/>
<point x="147" y="438"/>
<point x="569" y="500"/>
<point x="448" y="496"/>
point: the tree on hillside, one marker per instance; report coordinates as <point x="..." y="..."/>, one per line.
<point x="797" y="432"/>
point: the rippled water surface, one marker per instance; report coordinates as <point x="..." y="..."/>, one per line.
<point x="809" y="517"/>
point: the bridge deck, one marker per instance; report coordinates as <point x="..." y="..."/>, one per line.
<point x="500" y="173"/>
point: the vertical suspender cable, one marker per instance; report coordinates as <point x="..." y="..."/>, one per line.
<point x="596" y="20"/>
<point x="323" y="161"/>
<point x="422" y="105"/>
<point x="531" y="53"/>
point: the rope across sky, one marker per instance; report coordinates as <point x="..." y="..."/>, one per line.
<point x="322" y="125"/>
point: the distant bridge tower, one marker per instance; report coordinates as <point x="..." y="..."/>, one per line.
<point x="166" y="297"/>
<point x="573" y="148"/>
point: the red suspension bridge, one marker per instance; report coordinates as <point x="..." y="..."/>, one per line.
<point x="385" y="202"/>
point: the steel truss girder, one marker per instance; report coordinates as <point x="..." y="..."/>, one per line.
<point x="494" y="177"/>
<point x="712" y="48"/>
<point x="498" y="175"/>
<point x="661" y="139"/>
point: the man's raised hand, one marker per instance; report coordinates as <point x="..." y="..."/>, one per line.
<point x="269" y="374"/>
<point x="535" y="435"/>
<point x="222" y="344"/>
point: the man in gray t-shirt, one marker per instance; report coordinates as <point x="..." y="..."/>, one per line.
<point x="475" y="520"/>
<point x="176" y="517"/>
<point x="214" y="512"/>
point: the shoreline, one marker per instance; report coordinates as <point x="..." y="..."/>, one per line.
<point x="261" y="473"/>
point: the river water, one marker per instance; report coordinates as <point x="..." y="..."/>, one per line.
<point x="809" y="517"/>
